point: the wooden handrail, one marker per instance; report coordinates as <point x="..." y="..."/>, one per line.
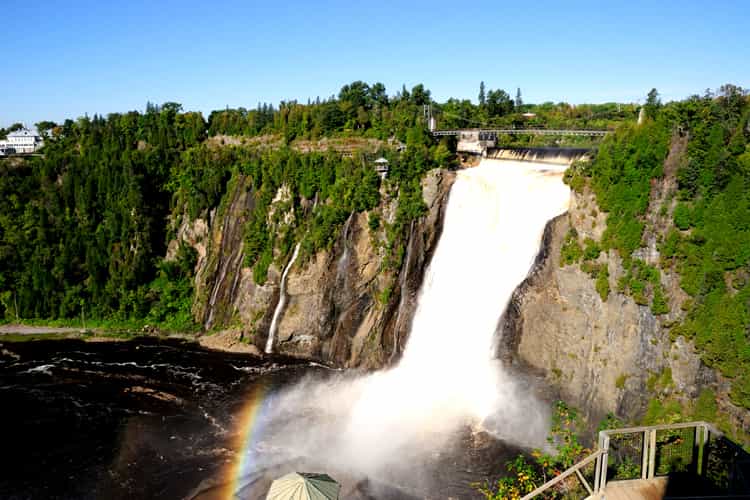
<point x="567" y="473"/>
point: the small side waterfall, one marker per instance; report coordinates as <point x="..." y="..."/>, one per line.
<point x="281" y="303"/>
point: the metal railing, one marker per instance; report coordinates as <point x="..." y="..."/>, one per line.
<point x="707" y="463"/>
<point x="524" y="131"/>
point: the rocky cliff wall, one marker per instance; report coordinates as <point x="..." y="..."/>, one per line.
<point x="337" y="311"/>
<point x="609" y="355"/>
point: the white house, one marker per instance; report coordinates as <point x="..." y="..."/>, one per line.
<point x="21" y="141"/>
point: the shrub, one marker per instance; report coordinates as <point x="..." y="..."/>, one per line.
<point x="602" y="283"/>
<point x="591" y="249"/>
<point x="570" y="252"/>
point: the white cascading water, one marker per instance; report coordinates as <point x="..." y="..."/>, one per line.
<point x="386" y="422"/>
<point x="492" y="231"/>
<point x="281" y="303"/>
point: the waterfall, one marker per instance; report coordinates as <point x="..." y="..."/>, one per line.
<point x="493" y="226"/>
<point x="388" y="424"/>
<point x="281" y="303"/>
<point x="562" y="156"/>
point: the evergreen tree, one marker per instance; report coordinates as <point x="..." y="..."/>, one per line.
<point x="519" y="101"/>
<point x="482" y="97"/>
<point x="652" y="103"/>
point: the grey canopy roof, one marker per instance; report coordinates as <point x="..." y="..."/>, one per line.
<point x="304" y="486"/>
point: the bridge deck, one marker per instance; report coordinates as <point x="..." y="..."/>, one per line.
<point x="637" y="489"/>
<point x="525" y="131"/>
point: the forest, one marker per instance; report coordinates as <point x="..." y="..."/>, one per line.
<point x="366" y="110"/>
<point x="84" y="227"/>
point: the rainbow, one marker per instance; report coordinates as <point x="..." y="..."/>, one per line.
<point x="250" y="425"/>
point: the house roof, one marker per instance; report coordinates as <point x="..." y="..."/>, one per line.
<point x="24" y="132"/>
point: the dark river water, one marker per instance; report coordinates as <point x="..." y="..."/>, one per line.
<point x="159" y="419"/>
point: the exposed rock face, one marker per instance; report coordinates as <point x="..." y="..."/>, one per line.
<point x="601" y="356"/>
<point x="335" y="312"/>
<point x="613" y="355"/>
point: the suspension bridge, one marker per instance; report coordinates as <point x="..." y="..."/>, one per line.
<point x="480" y="138"/>
<point x="491" y="134"/>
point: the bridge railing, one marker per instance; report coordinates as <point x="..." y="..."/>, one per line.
<point x="524" y="131"/>
<point x="705" y="461"/>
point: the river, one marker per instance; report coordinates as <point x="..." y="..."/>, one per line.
<point x="164" y="419"/>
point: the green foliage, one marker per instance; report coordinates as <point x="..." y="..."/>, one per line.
<point x="621" y="178"/>
<point x="710" y="244"/>
<point x="706" y="408"/>
<point x="359" y="109"/>
<point x="84" y="225"/>
<point x="659" y="303"/>
<point x="640" y="281"/>
<point x="627" y="468"/>
<point x="682" y="216"/>
<point x="602" y="283"/>
<point x="610" y="421"/>
<point x="663" y="412"/>
<point x="570" y="251"/>
<point x="373" y="221"/>
<point x="660" y="381"/>
<point x="362" y="109"/>
<point x="260" y="270"/>
<point x="171" y="292"/>
<point x="591" y="249"/>
<point x="621" y="380"/>
<point x="653" y="103"/>
<point x="524" y="476"/>
<point x="575" y="176"/>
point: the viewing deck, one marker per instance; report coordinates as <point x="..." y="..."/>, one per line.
<point x="687" y="460"/>
<point x="634" y="489"/>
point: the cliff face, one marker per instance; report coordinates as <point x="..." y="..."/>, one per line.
<point x="336" y="311"/>
<point x="602" y="356"/>
<point x="610" y="355"/>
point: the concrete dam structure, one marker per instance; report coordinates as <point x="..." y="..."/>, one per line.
<point x="557" y="156"/>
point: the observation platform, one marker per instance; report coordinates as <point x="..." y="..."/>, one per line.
<point x="634" y="489"/>
<point x="688" y="460"/>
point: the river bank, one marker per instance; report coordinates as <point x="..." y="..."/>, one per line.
<point x="229" y="341"/>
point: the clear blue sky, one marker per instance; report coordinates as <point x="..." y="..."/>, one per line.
<point x="69" y="58"/>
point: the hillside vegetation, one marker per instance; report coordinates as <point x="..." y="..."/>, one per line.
<point x="707" y="238"/>
<point x="84" y="228"/>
